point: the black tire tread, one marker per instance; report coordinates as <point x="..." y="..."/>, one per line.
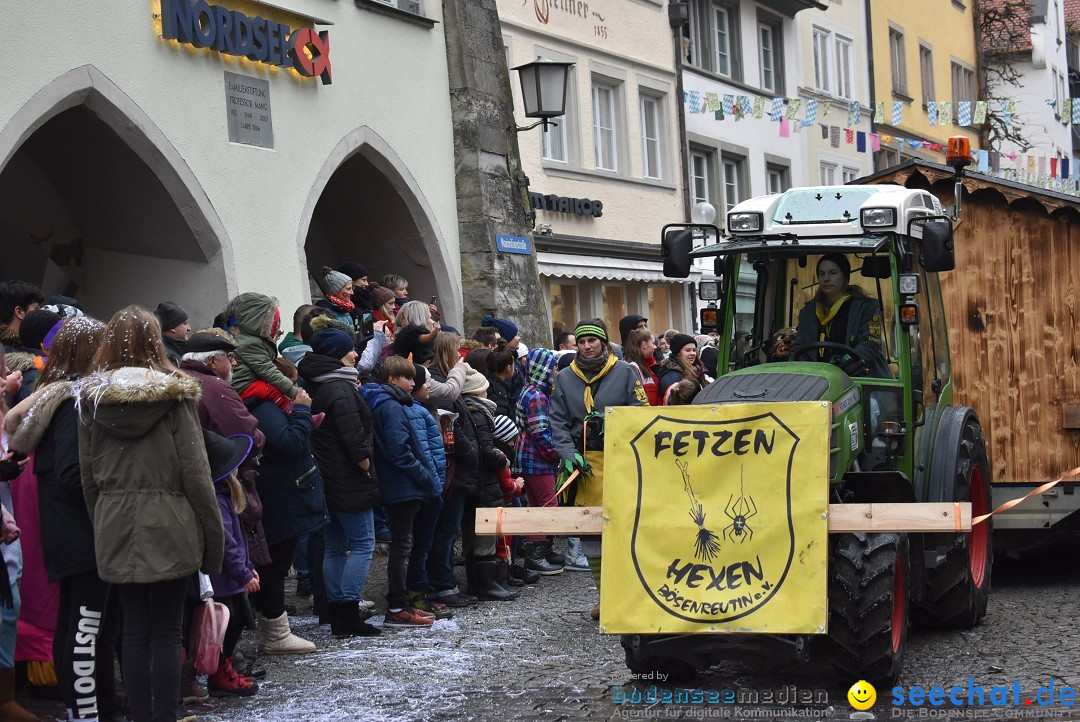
<point x="861" y="579"/>
<point x="949" y="597"/>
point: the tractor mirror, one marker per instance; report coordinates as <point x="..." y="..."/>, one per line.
<point x="876" y="267"/>
<point x="675" y="249"/>
<point x="937" y="243"/>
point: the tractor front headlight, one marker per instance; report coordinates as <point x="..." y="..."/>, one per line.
<point x="744" y="222"/>
<point x="878" y="217"/>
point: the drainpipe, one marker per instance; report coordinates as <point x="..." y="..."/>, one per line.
<point x="679" y="15"/>
<point x="873" y="79"/>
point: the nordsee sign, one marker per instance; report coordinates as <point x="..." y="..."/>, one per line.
<point x="513" y="244"/>
<point x="234" y="33"/>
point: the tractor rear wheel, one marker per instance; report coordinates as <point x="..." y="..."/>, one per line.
<point x="957" y="587"/>
<point x="868" y="605"/>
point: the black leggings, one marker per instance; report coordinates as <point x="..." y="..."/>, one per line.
<point x="151" y="664"/>
<point x="270" y="599"/>
<point x="84" y="645"/>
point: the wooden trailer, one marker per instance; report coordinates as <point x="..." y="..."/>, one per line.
<point x="1013" y="308"/>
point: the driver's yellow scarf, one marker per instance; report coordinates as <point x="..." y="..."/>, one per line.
<point x="825" y="318"/>
<point x="590" y="404"/>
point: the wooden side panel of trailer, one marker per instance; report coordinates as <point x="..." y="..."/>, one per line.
<point x="1014" y="334"/>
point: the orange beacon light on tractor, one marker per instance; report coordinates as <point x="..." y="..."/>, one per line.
<point x="958" y="153"/>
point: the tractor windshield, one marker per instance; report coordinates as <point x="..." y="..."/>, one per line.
<point x="825" y="306"/>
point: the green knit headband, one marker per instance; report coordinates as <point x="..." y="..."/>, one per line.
<point x="590" y="329"/>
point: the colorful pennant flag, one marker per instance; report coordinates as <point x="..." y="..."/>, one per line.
<point x="828" y="108"/>
<point x="777" y="110"/>
<point x="793" y="106"/>
<point x="980" y="112"/>
<point x="854" y="113"/>
<point x="860" y="141"/>
<point x="759" y="106"/>
<point x="945" y="112"/>
<point x="897" y="112"/>
<point x="875" y="142"/>
<point x="1075" y="111"/>
<point x="728" y="103"/>
<point x="811" y="113"/>
<point x="713" y="100"/>
<point x="963" y="112"/>
<point x="785" y="128"/>
<point x="931" y="112"/>
<point x="879" y="112"/>
<point x="1066" y="111"/>
<point x="834" y="136"/>
<point x="694" y="101"/>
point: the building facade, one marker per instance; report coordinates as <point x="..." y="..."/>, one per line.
<point x="189" y="151"/>
<point x="834" y="66"/>
<point x="606" y="177"/>
<point x="1027" y="41"/>
<point x="923" y="56"/>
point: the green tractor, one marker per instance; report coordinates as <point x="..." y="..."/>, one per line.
<point x="896" y="435"/>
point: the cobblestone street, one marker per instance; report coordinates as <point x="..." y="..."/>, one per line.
<point x="541" y="658"/>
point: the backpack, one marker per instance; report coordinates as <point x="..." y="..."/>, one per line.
<point x="208" y="624"/>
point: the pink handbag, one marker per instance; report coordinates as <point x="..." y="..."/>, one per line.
<point x="208" y="635"/>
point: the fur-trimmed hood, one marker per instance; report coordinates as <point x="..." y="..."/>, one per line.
<point x="254" y="314"/>
<point x="17" y="357"/>
<point x="28" y="421"/>
<point x="129" y="402"/>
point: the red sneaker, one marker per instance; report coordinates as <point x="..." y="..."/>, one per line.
<point x="407" y="618"/>
<point x="226" y="682"/>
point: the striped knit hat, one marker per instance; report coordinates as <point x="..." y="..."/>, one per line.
<point x="591" y="328"/>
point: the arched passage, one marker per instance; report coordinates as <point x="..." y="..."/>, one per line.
<point x="365" y="206"/>
<point x="96" y="203"/>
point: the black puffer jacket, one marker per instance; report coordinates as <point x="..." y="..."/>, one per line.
<point x="47" y="425"/>
<point x="344" y="438"/>
<point x="479" y="477"/>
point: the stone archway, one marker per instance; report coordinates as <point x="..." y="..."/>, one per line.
<point x="95" y="202"/>
<point x="365" y="206"/>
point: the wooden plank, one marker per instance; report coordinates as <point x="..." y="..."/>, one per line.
<point x="586" y="520"/>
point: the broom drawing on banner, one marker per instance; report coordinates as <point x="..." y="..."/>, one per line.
<point x="706" y="543"/>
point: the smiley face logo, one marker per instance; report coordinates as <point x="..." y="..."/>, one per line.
<point x="862" y="695"/>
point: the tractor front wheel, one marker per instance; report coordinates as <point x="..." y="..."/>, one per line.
<point x="647" y="666"/>
<point x="868" y="605"/>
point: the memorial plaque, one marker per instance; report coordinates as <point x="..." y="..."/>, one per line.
<point x="247" y="109"/>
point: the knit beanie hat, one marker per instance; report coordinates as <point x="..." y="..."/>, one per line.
<point x="421" y="375"/>
<point x="475" y="382"/>
<point x="36" y="326"/>
<point x="380" y="295"/>
<point x="170" y="315"/>
<point x="506" y="329"/>
<point x="353" y="270"/>
<point x="321" y="323"/>
<point x="505" y="429"/>
<point x="586" y="328"/>
<point x="333" y="281"/>
<point x="840" y="260"/>
<point x="331" y="342"/>
<point x="678" y="341"/>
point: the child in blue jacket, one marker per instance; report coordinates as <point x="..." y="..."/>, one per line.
<point x="407" y="479"/>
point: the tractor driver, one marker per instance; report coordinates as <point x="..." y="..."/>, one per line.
<point x="842" y="314"/>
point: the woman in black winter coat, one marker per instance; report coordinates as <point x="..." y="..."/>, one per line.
<point x="47" y="424"/>
<point x="343" y="447"/>
<point x="291" y="488"/>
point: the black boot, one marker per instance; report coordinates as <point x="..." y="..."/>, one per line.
<point x="474" y="584"/>
<point x="502" y="579"/>
<point x="537" y="562"/>
<point x="520" y="576"/>
<point x="488" y="588"/>
<point x="551" y="555"/>
<point x="347" y="621"/>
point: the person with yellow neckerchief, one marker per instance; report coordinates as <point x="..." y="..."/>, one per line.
<point x="843" y="314"/>
<point x="595" y="380"/>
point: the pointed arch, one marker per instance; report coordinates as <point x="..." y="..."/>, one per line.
<point x="368" y="145"/>
<point x="87" y="86"/>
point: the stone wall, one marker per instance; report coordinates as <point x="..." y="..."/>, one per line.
<point x="487" y="166"/>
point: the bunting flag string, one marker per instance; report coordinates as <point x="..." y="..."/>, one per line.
<point x="897" y="112"/>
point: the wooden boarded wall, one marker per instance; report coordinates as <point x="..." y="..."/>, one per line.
<point x="1012" y="305"/>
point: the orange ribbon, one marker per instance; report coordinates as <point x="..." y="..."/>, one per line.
<point x="1037" y="490"/>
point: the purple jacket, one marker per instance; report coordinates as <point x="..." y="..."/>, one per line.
<point x="236" y="569"/>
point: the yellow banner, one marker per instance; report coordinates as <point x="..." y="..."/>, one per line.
<point x="715" y="519"/>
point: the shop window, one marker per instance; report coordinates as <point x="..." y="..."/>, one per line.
<point x="614" y="304"/>
<point x="564" y="304"/>
<point x="660" y="309"/>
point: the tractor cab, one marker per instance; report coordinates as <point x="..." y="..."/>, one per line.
<point x="832" y="293"/>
